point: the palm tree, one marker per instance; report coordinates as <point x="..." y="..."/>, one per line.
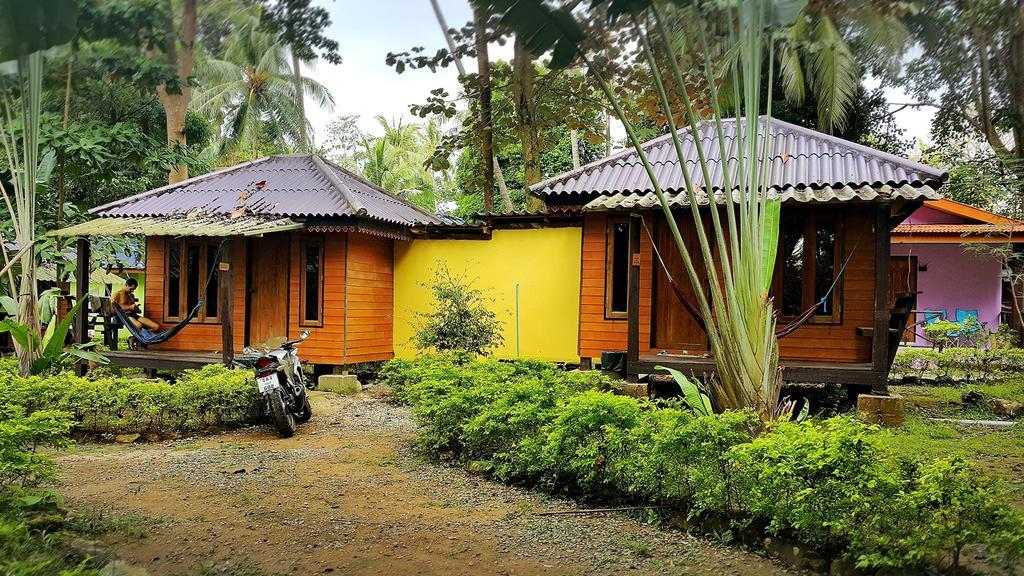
<point x="821" y="49"/>
<point x="399" y="161"/>
<point x="253" y="87"/>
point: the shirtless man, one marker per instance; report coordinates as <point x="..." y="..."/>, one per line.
<point x="125" y="298"/>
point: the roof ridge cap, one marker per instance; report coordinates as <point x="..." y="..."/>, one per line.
<point x="377" y="188"/>
<point x="340" y="186"/>
<point x="169" y="187"/>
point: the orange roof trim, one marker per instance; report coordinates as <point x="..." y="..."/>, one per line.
<point x="969" y="212"/>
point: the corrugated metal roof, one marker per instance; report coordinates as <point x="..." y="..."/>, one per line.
<point x="799" y="157"/>
<point x="629" y="200"/>
<point x="299" y="185"/>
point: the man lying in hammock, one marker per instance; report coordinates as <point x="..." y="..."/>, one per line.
<point x="125" y="298"/>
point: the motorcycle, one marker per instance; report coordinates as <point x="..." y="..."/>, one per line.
<point x="280" y="379"/>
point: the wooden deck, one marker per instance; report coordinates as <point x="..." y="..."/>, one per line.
<point x="162" y="359"/>
<point x="857" y="374"/>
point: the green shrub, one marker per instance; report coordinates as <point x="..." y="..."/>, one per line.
<point x="459" y="317"/>
<point x="212" y="396"/>
<point x="943" y="506"/>
<point x="583" y="443"/>
<point x="829" y="483"/>
<point x="21" y="437"/>
<point x="958" y="364"/>
<point x="816" y="479"/>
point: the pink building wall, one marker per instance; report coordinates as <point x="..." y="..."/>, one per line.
<point x="926" y="215"/>
<point x="955" y="278"/>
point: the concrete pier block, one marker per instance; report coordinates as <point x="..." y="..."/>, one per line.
<point x="339" y="383"/>
<point x="884" y="410"/>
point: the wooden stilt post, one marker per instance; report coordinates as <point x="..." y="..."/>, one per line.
<point x="81" y="321"/>
<point x="880" y="334"/>
<point x="225" y="296"/>
<point x="633" y="300"/>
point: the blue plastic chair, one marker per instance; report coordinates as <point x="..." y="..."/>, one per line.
<point x="933" y="316"/>
<point x="962" y="314"/>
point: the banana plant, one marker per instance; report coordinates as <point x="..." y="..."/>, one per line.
<point x="48" y="349"/>
<point x="738" y="254"/>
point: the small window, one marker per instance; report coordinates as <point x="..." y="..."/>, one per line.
<point x="191" y="277"/>
<point x="808" y="258"/>
<point x="312" y="258"/>
<point x="212" y="295"/>
<point x="173" y="287"/>
<point x="617" y="269"/>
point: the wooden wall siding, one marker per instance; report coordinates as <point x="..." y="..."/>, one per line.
<point x="371" y="297"/>
<point x="195" y="336"/>
<point x="324" y="345"/>
<point x="838" y="343"/>
<point x="598" y="333"/>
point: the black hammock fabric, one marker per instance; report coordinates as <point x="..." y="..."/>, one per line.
<point x="146" y="336"/>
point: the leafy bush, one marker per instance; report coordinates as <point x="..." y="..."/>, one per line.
<point x="212" y="396"/>
<point x="831" y="483"/>
<point x="817" y="479"/>
<point x="21" y="436"/>
<point x="953" y="365"/>
<point x="459" y="318"/>
<point x="943" y="506"/>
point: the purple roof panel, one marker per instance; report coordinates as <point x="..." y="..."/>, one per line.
<point x="300" y="185"/>
<point x="799" y="157"/>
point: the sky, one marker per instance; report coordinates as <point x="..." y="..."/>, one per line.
<point x="364" y="85"/>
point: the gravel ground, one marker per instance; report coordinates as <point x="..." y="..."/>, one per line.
<point x="347" y="495"/>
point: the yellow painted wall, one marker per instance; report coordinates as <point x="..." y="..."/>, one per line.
<point x="544" y="262"/>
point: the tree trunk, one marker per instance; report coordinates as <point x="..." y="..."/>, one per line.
<point x="179" y="55"/>
<point x="522" y="92"/>
<point x="574" y="141"/>
<point x="486" y="136"/>
<point x="62" y="283"/>
<point x="300" y="99"/>
<point x="499" y="177"/>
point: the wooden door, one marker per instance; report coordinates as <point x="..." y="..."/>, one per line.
<point x="673" y="327"/>
<point x="268" y="288"/>
<point x="903" y="280"/>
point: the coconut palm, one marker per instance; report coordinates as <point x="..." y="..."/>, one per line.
<point x="398" y="161"/>
<point x="252" y="87"/>
<point x="821" y="49"/>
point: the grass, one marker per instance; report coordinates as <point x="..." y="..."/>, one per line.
<point x="93" y="521"/>
<point x="998" y="452"/>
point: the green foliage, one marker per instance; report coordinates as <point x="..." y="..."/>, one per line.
<point x="21" y="437"/>
<point x="834" y="484"/>
<point x="459" y="318"/>
<point x="212" y="396"/>
<point x="817" y="479"/>
<point x="952" y="365"/>
<point x="943" y="506"/>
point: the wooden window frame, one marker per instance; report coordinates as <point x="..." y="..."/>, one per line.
<point x="183" y="305"/>
<point x="609" y="268"/>
<point x="304" y="243"/>
<point x="807" y="298"/>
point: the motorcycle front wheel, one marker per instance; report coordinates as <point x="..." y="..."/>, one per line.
<point x="284" y="421"/>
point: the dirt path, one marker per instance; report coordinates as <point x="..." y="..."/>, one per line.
<point x="347" y="496"/>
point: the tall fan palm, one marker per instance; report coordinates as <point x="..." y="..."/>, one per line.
<point x="252" y="87"/>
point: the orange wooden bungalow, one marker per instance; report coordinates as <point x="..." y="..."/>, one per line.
<point x="272" y="247"/>
<point x="840" y="200"/>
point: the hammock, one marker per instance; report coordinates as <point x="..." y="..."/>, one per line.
<point x="780" y="332"/>
<point x="146" y="336"/>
